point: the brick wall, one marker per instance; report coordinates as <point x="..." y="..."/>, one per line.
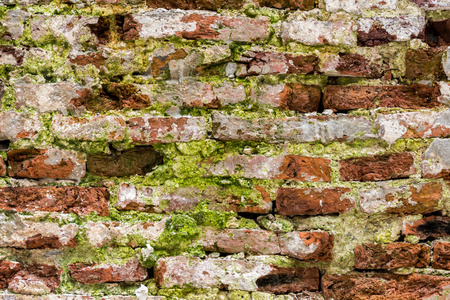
<point x="224" y="149"/>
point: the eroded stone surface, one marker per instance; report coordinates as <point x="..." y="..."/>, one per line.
<point x="432" y="226"/>
<point x="289" y="167"/>
<point x="101" y="128"/>
<point x="150" y="130"/>
<point x="441" y="256"/>
<point x="305" y="129"/>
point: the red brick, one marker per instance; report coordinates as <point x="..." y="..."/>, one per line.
<point x="90" y="274"/>
<point x="45" y="163"/>
<point x="424" y="64"/>
<point x="78" y="200"/>
<point x="436" y="163"/>
<point x="356" y="65"/>
<point x="95" y="59"/>
<point x="413" y="199"/>
<point x="246" y="275"/>
<point x="415" y="96"/>
<point x="313" y="201"/>
<point x="136" y="161"/>
<point x="316" y="245"/>
<point x="391" y="256"/>
<point x="382" y="286"/>
<point x="376" y="168"/>
<point x="304" y="168"/>
<point x="240" y="240"/>
<point x="300" y="97"/>
<point x="441" y="256"/>
<point x="151" y="130"/>
<point x="290" y="4"/>
<point x="432" y="226"/>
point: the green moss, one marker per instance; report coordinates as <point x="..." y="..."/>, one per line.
<point x="177" y="237"/>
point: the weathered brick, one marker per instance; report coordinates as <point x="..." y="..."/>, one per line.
<point x="153" y="24"/>
<point x="436" y="162"/>
<point x="68" y="199"/>
<point x="415" y="96"/>
<point x="432" y="226"/>
<point x="352" y="65"/>
<point x="299" y="130"/>
<point x="7" y="270"/>
<point x="48" y="97"/>
<point x="391" y="256"/>
<point x="96" y="59"/>
<point x="426" y="124"/>
<point x="247" y="275"/>
<point x="424" y="64"/>
<point x="378" y="167"/>
<point x="150" y="130"/>
<point x="441" y="256"/>
<point x="99" y="128"/>
<point x="97" y="273"/>
<point x="122" y="234"/>
<point x="14" y="125"/>
<point x="112" y="96"/>
<point x="432" y="4"/>
<point x="356" y="7"/>
<point x="24" y="234"/>
<point x="291" y="96"/>
<point x="37" y="279"/>
<point x="136" y="161"/>
<point x="264" y="63"/>
<point x="382" y="286"/>
<point x="240" y="240"/>
<point x="2" y="167"/>
<point x="195" y="5"/>
<point x="157" y="200"/>
<point x="437" y="33"/>
<point x="45" y="163"/>
<point x="289" y="167"/>
<point x="10" y="55"/>
<point x="190" y="93"/>
<point x="290" y="4"/>
<point x="314" y="32"/>
<point x="413" y="199"/>
<point x="381" y="30"/>
<point x="316" y="245"/>
<point x="78" y="31"/>
<point x="313" y="201"/>
<point x="13" y="23"/>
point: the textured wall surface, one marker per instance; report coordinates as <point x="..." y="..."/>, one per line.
<point x="224" y="149"/>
